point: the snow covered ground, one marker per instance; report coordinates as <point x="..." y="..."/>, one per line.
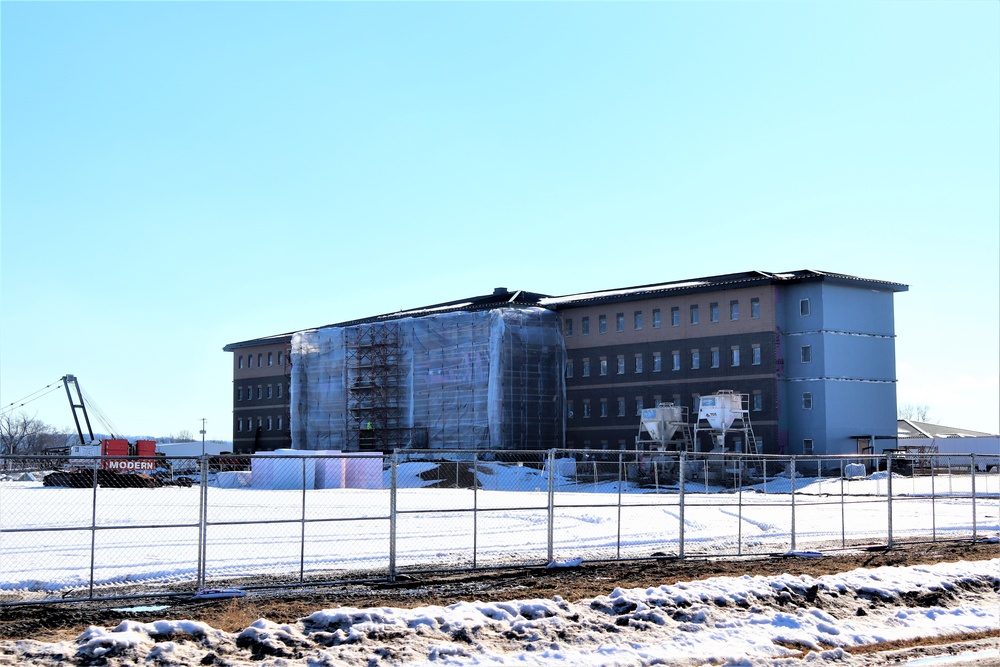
<point x="746" y="621"/>
<point x="151" y="536"/>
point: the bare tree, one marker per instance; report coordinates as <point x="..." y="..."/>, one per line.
<point x="919" y="413"/>
<point x="182" y="436"/>
<point x="21" y="434"/>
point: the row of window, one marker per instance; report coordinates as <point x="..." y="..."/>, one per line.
<point x="603" y="405"/>
<point x="638" y="364"/>
<point x="269" y="422"/>
<point x="260" y="360"/>
<point x="262" y="392"/>
<point x="675" y="317"/>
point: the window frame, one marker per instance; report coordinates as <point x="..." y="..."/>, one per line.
<point x="602" y="324"/>
<point x="695" y="315"/>
<point x="755" y="308"/>
<point x="713" y="312"/>
<point x="734" y="310"/>
<point x="637" y="320"/>
<point x="805" y="308"/>
<point x="584" y="326"/>
<point x="805" y="354"/>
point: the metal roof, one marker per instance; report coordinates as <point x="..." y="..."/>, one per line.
<point x="502" y="297"/>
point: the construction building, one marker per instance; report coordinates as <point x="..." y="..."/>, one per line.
<point x="813" y="352"/>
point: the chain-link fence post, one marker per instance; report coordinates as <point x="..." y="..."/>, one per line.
<point x="933" y="502"/>
<point x="843" y="519"/>
<point x="475" y="508"/>
<point x="741" y="461"/>
<point x="93" y="529"/>
<point x="888" y="493"/>
<point x="302" y="531"/>
<point x="552" y="503"/>
<point x="393" y="472"/>
<point x="682" y="459"/>
<point x="618" y="553"/>
<point x="972" y="466"/>
<point x="202" y="522"/>
<point x="791" y="477"/>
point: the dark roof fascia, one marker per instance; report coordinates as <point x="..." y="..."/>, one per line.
<point x="258" y="342"/>
<point x="517" y="299"/>
<point x="723" y="282"/>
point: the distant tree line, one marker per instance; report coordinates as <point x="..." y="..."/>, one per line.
<point x="24" y="434"/>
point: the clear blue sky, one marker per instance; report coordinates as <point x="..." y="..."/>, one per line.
<point x="179" y="176"/>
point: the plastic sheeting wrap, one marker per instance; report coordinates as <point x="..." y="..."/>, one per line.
<point x="483" y="380"/>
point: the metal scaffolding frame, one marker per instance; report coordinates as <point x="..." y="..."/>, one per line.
<point x="374" y="393"/>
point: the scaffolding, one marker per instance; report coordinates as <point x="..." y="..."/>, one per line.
<point x="374" y="418"/>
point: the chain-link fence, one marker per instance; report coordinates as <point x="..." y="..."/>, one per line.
<point x="105" y="527"/>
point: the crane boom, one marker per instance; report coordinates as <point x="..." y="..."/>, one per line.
<point x="79" y="405"/>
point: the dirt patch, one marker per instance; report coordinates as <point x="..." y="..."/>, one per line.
<point x="55" y="622"/>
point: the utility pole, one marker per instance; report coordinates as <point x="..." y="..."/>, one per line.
<point x="203" y="420"/>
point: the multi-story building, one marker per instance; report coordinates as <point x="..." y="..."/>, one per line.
<point x="261" y="387"/>
<point x="814" y="353"/>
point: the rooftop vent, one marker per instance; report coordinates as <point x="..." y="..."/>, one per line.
<point x="500" y="291"/>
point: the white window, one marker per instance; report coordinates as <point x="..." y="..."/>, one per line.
<point x="280" y="387"/>
<point x="279" y="423"/>
<point x="675" y="360"/>
<point x="239" y="425"/>
<point x="269" y="424"/>
<point x="249" y="392"/>
<point x="604" y="407"/>
<point x="620" y="322"/>
<point x="602" y="324"/>
<point x="656" y="318"/>
<point x="734" y="310"/>
<point x="735" y="355"/>
<point x="586" y="408"/>
<point x="807" y="400"/>
<point x="569" y="327"/>
<point x="758" y="401"/>
<point x="585" y="326"/>
<point x="695" y="359"/>
<point x="755" y="308"/>
<point x="239" y="393"/>
<point x="241" y="361"/>
<point x="638" y="406"/>
<point x="270" y="359"/>
<point x="270" y="392"/>
<point x="715" y="357"/>
<point x="694" y="314"/>
<point x="604" y="366"/>
<point x="807" y="355"/>
<point x="569" y="368"/>
<point x="637" y="320"/>
<point x="620" y="369"/>
<point x="621" y="406"/>
<point x="249" y="361"/>
<point x="804" y="307"/>
<point x="585" y="368"/>
<point x="657" y="362"/>
<point x="279" y="358"/>
<point x="675" y="316"/>
<point x="260" y="360"/>
<point x="713" y="312"/>
<point x="638" y="363"/>
<point x="260" y="392"/>
<point x="755" y="354"/>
